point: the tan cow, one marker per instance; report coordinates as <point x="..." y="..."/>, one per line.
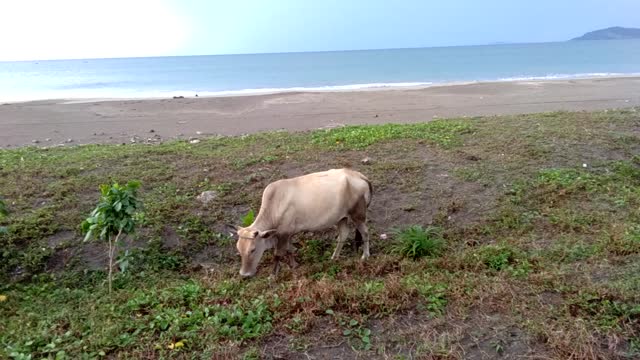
<point x="310" y="202"/>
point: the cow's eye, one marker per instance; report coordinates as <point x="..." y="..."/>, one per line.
<point x="253" y="251"/>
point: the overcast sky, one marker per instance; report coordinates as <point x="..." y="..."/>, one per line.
<point x="63" y="29"/>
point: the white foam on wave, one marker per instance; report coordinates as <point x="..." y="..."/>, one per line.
<point x="78" y="96"/>
<point x="567" y="76"/>
<point x="334" y="88"/>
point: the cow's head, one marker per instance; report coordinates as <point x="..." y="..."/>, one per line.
<point x="251" y="245"/>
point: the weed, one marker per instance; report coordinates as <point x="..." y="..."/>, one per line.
<point x="566" y="179"/>
<point x="433" y="294"/>
<point x="503" y="257"/>
<point x="606" y="312"/>
<point x="415" y="242"/>
<point x="624" y="244"/>
<point x="354" y="330"/>
<point x="240" y="322"/>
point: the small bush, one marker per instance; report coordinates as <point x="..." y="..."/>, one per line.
<point x="116" y="214"/>
<point x="416" y="242"/>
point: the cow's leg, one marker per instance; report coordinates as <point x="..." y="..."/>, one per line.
<point x="282" y="247"/>
<point x="343" y="232"/>
<point x="362" y="228"/>
<point x="292" y="260"/>
<point x="357" y="241"/>
<point x="359" y="216"/>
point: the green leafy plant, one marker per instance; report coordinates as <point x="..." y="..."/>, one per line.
<point x="504" y="257"/>
<point x="353" y="329"/>
<point x="416" y="242"/>
<point x="116" y="214"/>
<point x="434" y="294"/>
<point x="248" y="218"/>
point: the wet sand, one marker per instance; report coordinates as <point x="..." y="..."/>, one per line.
<point x="54" y="122"/>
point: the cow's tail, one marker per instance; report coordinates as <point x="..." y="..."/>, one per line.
<point x="370" y="195"/>
<point x="370" y="191"/>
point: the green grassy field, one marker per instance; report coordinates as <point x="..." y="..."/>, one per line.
<point x="512" y="236"/>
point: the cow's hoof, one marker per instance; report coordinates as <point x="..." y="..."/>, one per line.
<point x="364" y="257"/>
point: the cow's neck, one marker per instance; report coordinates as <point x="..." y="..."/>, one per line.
<point x="262" y="223"/>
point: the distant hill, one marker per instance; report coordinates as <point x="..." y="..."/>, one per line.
<point x="611" y="33"/>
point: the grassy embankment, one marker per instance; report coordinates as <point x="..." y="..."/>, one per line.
<point x="532" y="246"/>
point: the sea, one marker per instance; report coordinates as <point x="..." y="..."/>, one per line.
<point x="224" y="75"/>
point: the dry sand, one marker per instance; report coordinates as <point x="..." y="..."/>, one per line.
<point x="47" y="123"/>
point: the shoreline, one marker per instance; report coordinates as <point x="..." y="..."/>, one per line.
<point x="61" y="122"/>
<point x="369" y="87"/>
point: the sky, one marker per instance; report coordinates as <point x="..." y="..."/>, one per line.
<point x="71" y="29"/>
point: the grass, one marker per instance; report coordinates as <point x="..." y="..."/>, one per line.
<point x="522" y="249"/>
<point x="444" y="133"/>
<point x="415" y="242"/>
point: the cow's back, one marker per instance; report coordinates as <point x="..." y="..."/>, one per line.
<point x="313" y="202"/>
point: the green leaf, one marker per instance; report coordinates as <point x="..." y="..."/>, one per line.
<point x="248" y="218"/>
<point x="353" y="322"/>
<point x="88" y="236"/>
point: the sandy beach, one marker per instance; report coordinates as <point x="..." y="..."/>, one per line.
<point x="54" y="122"/>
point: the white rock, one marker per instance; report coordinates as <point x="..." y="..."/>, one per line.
<point x="383" y="236"/>
<point x="207" y="196"/>
<point x="194" y="141"/>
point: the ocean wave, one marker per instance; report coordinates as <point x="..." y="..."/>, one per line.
<point x="332" y="88"/>
<point x="120" y="94"/>
<point x="566" y="76"/>
<point x="105" y="94"/>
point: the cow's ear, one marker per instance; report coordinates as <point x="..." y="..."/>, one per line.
<point x="232" y="227"/>
<point x="267" y="233"/>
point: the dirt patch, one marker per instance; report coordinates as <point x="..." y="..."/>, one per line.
<point x="63" y="237"/>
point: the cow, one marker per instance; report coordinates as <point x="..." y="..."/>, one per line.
<point x="311" y="202"/>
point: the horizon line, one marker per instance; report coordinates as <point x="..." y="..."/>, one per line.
<point x="498" y="43"/>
